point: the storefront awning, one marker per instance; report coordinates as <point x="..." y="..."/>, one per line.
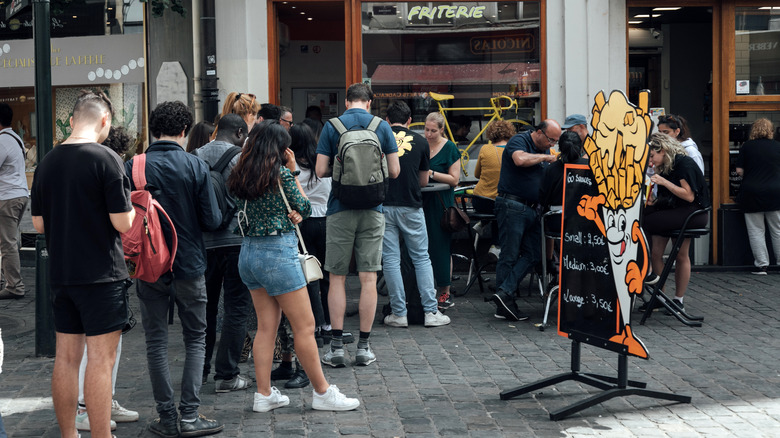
<point x="510" y="73"/>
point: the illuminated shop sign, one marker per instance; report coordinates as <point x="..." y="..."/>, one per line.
<point x="502" y="44"/>
<point x="445" y="11"/>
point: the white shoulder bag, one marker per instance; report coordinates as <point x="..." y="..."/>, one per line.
<point x="311" y="267"/>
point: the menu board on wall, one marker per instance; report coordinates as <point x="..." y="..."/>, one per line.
<point x="588" y="296"/>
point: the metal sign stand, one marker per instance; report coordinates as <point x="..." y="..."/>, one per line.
<point x="612" y="387"/>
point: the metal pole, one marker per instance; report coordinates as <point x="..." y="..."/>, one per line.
<point x="45" y="341"/>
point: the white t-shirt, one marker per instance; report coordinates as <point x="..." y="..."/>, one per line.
<point x="317" y="191"/>
<point x="693" y="152"/>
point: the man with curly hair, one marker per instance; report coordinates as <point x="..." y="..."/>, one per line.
<point x="180" y="182"/>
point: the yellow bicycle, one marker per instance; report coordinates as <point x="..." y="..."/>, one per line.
<point x="498" y="106"/>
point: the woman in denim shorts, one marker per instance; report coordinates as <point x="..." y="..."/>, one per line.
<point x="269" y="266"/>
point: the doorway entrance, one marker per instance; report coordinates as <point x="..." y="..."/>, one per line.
<point x="670" y="52"/>
<point x="311" y="57"/>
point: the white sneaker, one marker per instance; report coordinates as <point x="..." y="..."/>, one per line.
<point x="436" y="319"/>
<point x="396" y="321"/>
<point x="122" y="415"/>
<point x="333" y="400"/>
<point x="494" y="251"/>
<point x="478" y="227"/>
<point x="82" y="421"/>
<point x="273" y="401"/>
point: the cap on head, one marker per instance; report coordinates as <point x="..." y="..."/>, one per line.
<point x="573" y="120"/>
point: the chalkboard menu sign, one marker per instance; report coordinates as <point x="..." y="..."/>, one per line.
<point x="587" y="294"/>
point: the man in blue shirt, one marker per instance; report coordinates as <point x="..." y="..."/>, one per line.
<point x="180" y="182"/>
<point x="526" y="155"/>
<point x="359" y="229"/>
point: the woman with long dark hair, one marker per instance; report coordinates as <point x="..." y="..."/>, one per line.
<point x="269" y="266"/>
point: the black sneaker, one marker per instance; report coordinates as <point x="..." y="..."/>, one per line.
<point x="760" y="270"/>
<point x="299" y="379"/>
<point x="508" y="309"/>
<point x="165" y="429"/>
<point x="282" y="373"/>
<point x="676" y="304"/>
<point x="200" y="427"/>
<point x="651" y="278"/>
<point x="643" y="307"/>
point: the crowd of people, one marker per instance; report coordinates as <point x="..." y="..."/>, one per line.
<point x="278" y="172"/>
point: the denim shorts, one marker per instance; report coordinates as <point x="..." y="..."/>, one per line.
<point x="271" y="263"/>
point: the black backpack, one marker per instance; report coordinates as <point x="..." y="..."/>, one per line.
<point x="227" y="205"/>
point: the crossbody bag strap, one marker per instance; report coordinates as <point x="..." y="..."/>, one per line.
<point x="24" y="153"/>
<point x="289" y="210"/>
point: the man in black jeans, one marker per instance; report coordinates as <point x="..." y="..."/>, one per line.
<point x="222" y="249"/>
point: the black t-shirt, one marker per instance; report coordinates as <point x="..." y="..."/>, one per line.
<point x="521" y="181"/>
<point x="414" y="157"/>
<point x="685" y="169"/>
<point x="760" y="189"/>
<point x="76" y="186"/>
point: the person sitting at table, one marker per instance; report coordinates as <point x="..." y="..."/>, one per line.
<point x="681" y="191"/>
<point x="444" y="168"/>
<point x="488" y="169"/>
<point x="551" y="190"/>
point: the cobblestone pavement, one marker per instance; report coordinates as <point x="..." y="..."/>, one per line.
<point x="445" y="381"/>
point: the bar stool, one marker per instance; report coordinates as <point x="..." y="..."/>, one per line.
<point x="547" y="289"/>
<point x="657" y="295"/>
<point x="475" y="267"/>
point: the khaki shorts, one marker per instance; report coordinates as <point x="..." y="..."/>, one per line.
<point x="362" y="230"/>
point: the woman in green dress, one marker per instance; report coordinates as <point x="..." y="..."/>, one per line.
<point x="444" y="168"/>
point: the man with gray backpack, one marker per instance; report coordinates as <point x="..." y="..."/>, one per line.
<point x="360" y="152"/>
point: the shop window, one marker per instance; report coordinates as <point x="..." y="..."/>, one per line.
<point x="474" y="51"/>
<point x="757" y="50"/>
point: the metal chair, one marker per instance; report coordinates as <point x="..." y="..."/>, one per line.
<point x="657" y="295"/>
<point x="475" y="267"/>
<point x="547" y="289"/>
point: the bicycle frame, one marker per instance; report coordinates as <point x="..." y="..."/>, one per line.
<point x="497" y="107"/>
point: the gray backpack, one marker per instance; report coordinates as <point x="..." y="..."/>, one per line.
<point x="360" y="177"/>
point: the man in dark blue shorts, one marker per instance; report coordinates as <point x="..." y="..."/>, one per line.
<point x="81" y="201"/>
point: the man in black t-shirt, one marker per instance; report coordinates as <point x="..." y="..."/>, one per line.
<point x="81" y="201"/>
<point x="404" y="218"/>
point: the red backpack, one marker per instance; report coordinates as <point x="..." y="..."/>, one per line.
<point x="146" y="254"/>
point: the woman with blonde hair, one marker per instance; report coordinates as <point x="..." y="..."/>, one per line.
<point x="681" y="191"/>
<point x="759" y="196"/>
<point x="244" y="105"/>
<point x="444" y="168"/>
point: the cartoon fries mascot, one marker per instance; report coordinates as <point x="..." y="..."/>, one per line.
<point x="618" y="153"/>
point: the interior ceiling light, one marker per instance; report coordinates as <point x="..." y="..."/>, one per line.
<point x="635" y="21"/>
<point x="303" y="13"/>
<point x="647" y="16"/>
<point x="770" y="7"/>
<point x="667" y="9"/>
<point x="310" y="19"/>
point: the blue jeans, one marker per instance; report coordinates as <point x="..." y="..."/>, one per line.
<point x="190" y="297"/>
<point x="519" y="235"/>
<point x="222" y="271"/>
<point x="410" y="223"/>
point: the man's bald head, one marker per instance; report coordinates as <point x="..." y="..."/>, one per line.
<point x="547" y="134"/>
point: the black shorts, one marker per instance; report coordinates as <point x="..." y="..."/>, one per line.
<point x="92" y="309"/>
